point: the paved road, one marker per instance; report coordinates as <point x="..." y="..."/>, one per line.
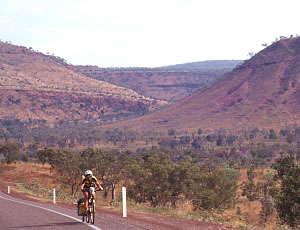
<point x="19" y="214"/>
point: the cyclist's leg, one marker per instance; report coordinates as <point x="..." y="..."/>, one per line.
<point x="86" y="196"/>
<point x="92" y="191"/>
<point x="94" y="195"/>
<point x="93" y="208"/>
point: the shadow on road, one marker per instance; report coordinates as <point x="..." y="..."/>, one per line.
<point x="46" y="226"/>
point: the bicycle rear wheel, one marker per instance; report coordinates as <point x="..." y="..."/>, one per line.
<point x="88" y="216"/>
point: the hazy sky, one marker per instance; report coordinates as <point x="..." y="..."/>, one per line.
<point x="149" y="33"/>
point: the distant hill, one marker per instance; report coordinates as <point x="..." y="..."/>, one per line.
<point x="205" y="65"/>
<point x="36" y="86"/>
<point x="162" y="84"/>
<point x="262" y="92"/>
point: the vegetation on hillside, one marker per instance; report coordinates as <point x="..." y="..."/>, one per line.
<point x="33" y="135"/>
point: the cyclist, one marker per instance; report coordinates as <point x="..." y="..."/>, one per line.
<point x="88" y="184"/>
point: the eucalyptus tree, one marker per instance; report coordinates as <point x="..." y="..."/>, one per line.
<point x="288" y="200"/>
<point x="110" y="165"/>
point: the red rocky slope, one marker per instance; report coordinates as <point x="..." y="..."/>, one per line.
<point x="262" y="92"/>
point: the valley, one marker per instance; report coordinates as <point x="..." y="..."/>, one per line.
<point x="208" y="131"/>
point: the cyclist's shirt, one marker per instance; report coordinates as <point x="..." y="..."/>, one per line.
<point x="89" y="183"/>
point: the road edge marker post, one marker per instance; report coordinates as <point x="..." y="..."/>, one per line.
<point x="8" y="190"/>
<point x="124" y="201"/>
<point x="54" y="196"/>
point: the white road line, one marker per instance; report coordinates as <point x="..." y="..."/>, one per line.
<point x="59" y="213"/>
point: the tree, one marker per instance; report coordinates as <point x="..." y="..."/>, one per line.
<point x="168" y="143"/>
<point x="89" y="158"/>
<point x="110" y="165"/>
<point x="148" y="180"/>
<point x="211" y="138"/>
<point x="251" y="54"/>
<point x="66" y="162"/>
<point x="231" y="139"/>
<point x="283" y="132"/>
<point x="10" y="152"/>
<point x="136" y="181"/>
<point x="181" y="180"/>
<point x="283" y="165"/>
<point x="200" y="131"/>
<point x="215" y="190"/>
<point x="269" y="190"/>
<point x="69" y="167"/>
<point x="261" y="155"/>
<point x="184" y="140"/>
<point x="272" y="135"/>
<point x="46" y="155"/>
<point x="288" y="200"/>
<point x="267" y="208"/>
<point x="171" y="132"/>
<point x="158" y="168"/>
<point x="290" y="138"/>
<point x="250" y="190"/>
<point x="220" y="140"/>
<point x="197" y="142"/>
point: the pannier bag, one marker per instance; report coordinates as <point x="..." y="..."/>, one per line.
<point x="80" y="206"/>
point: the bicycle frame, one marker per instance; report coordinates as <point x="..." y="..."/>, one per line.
<point x="90" y="215"/>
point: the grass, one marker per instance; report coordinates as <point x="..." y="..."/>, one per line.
<point x="36" y="189"/>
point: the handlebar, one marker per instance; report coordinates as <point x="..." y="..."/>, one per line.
<point x="96" y="189"/>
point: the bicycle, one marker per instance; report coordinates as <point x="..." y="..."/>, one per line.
<point x="90" y="214"/>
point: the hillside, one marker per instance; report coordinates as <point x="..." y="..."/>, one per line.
<point x="160" y="83"/>
<point x="43" y="87"/>
<point x="262" y="92"/>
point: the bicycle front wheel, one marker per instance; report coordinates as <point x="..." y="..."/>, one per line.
<point x="93" y="214"/>
<point x="88" y="217"/>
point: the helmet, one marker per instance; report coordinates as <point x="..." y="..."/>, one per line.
<point x="88" y="173"/>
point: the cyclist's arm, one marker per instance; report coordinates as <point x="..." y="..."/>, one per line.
<point x="99" y="186"/>
<point x="81" y="187"/>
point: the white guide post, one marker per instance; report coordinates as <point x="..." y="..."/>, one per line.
<point x="124" y="201"/>
<point x="54" y="196"/>
<point x="8" y="189"/>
